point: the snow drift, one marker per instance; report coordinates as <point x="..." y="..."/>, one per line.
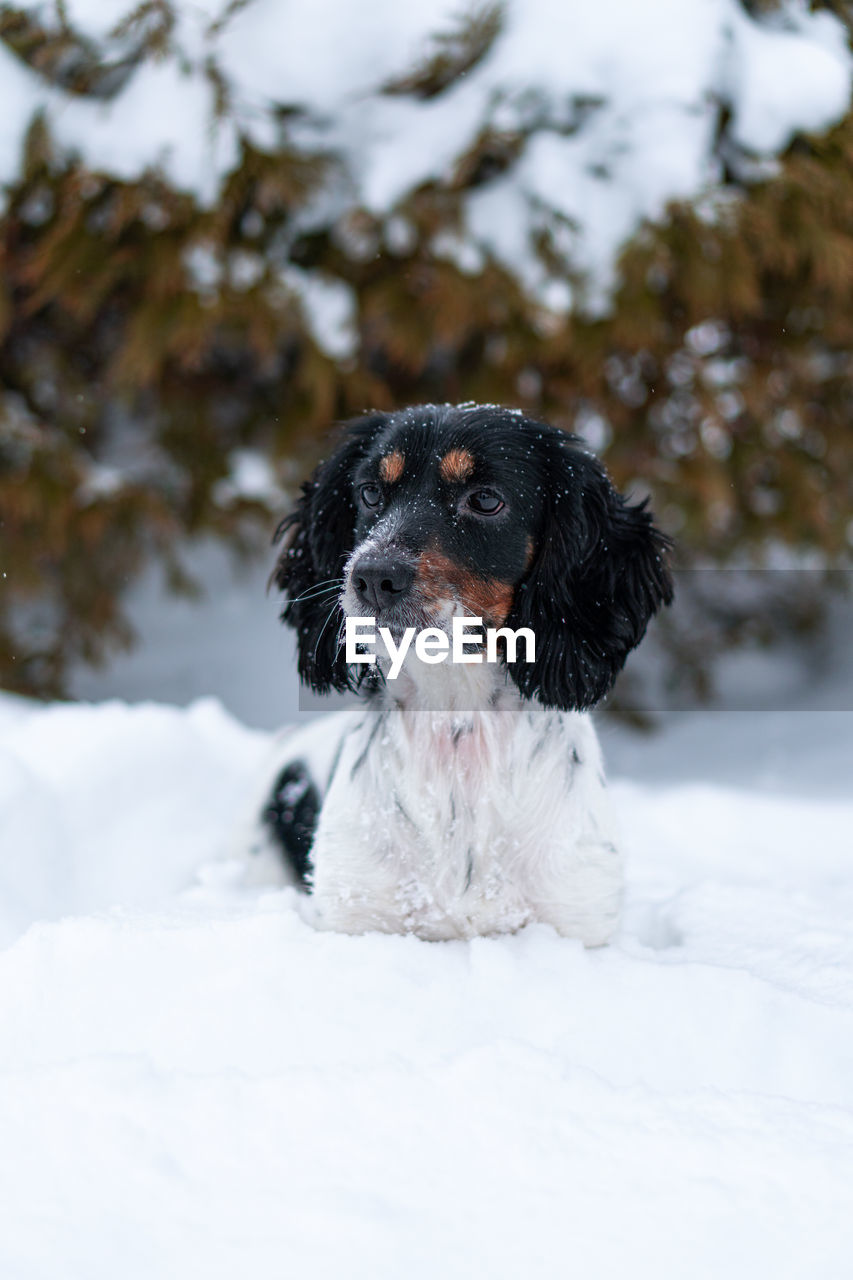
<point x="196" y="1083"/>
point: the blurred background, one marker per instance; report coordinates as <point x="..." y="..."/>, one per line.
<point x="225" y="226"/>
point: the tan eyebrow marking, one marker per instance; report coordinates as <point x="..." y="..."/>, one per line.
<point x="456" y="465"/>
<point x="391" y="466"/>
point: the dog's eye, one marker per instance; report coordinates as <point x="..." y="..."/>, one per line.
<point x="371" y="495"/>
<point x="485" y="502"/>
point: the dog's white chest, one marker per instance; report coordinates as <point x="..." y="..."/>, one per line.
<point x="463" y="826"/>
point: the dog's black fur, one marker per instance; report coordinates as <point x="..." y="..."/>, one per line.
<point x="585" y="569"/>
<point x="291" y="814"/>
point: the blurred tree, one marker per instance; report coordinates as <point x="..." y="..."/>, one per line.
<point x="144" y="339"/>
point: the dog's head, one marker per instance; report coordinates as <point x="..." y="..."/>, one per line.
<point x="439" y="510"/>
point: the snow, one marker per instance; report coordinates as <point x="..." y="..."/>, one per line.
<point x="194" y="1082"/>
<point x="144" y="115"/>
<point x="772" y="68"/>
<point x="329" y="309"/>
<point x="620" y="102"/>
<point x="251" y="476"/>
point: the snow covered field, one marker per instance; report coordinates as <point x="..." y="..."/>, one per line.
<point x="194" y="1083"/>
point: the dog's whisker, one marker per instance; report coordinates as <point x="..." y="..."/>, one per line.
<point x="323" y="628"/>
<point x="318" y="589"/>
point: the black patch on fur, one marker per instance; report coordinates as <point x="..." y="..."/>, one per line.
<point x="361" y="759"/>
<point x="291" y="815"/>
<point x="398" y="805"/>
<point x="598" y="574"/>
<point x="318" y="537"/>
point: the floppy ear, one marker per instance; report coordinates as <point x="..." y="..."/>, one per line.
<point x="597" y="576"/>
<point x="318" y="537"/>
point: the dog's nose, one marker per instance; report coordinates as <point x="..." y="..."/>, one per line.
<point x="381" y="583"/>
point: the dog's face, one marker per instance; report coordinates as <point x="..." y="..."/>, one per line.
<point x="435" y="511"/>
<point x="447" y="510"/>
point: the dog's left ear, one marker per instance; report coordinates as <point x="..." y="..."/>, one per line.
<point x="598" y="574"/>
<point x="318" y="537"/>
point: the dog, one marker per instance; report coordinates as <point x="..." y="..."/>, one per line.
<point x="460" y="798"/>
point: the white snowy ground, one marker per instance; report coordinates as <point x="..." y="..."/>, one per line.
<point x="194" y="1083"/>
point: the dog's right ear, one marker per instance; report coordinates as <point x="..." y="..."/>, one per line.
<point x="318" y="537"/>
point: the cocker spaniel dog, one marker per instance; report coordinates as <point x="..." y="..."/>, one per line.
<point x="460" y="797"/>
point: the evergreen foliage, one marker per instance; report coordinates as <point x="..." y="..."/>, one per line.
<point x="144" y="338"/>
